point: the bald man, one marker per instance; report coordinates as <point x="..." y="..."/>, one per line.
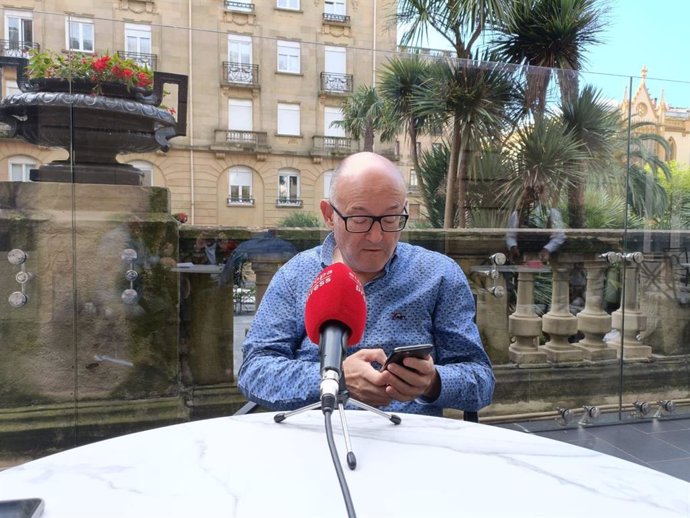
<point x="414" y="296"/>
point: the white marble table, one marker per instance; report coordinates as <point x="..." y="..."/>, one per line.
<point x="249" y="466"/>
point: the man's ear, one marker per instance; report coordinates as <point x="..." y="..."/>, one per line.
<point x="327" y="213"/>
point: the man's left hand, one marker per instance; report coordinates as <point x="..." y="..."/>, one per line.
<point x="418" y="377"/>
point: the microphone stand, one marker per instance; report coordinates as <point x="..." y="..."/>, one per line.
<point x="343" y="397"/>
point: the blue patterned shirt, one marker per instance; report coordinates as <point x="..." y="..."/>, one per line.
<point x="421" y="297"/>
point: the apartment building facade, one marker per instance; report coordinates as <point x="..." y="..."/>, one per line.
<point x="266" y="81"/>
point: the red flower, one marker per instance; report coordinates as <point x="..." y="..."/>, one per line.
<point x="100" y="64"/>
<point x="143" y="79"/>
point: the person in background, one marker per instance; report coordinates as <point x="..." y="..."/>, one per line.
<point x="414" y="296"/>
<point x="526" y="246"/>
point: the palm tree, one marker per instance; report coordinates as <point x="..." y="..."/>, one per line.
<point x="365" y="113"/>
<point x="461" y="23"/>
<point x="548" y="34"/>
<point x="595" y="126"/>
<point x="475" y="98"/>
<point x="401" y="81"/>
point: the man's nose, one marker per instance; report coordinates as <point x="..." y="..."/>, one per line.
<point x="376" y="231"/>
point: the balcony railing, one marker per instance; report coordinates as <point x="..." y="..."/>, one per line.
<point x="18" y="49"/>
<point x="336" y="83"/>
<point x="240" y="74"/>
<point x="233" y="200"/>
<point x="247" y="140"/>
<point x="239" y="6"/>
<point x="339" y="19"/>
<point x="149" y="61"/>
<point x="324" y="145"/>
<point x="423" y="51"/>
<point x="289" y="202"/>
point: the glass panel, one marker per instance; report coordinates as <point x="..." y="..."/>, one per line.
<point x="139" y="304"/>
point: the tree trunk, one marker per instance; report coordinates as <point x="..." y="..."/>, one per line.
<point x="463" y="154"/>
<point x="448" y="211"/>
<point x="369" y="138"/>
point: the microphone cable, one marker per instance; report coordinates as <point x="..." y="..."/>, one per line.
<point x="327" y="413"/>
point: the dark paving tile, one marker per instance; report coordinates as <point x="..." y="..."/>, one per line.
<point x="679" y="468"/>
<point x="657" y="425"/>
<point x="643" y="446"/>
<point x="679" y="439"/>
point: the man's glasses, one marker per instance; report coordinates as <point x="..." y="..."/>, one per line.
<point x="363" y="224"/>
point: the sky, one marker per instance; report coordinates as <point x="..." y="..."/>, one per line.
<point x="651" y="33"/>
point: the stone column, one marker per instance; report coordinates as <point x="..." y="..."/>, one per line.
<point x="593" y="321"/>
<point x="525" y="325"/>
<point x="264" y="266"/>
<point x="629" y="319"/>
<point x="559" y="323"/>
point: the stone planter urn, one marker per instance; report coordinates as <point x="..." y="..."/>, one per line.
<point x="94" y="123"/>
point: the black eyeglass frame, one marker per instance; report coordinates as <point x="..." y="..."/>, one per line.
<point x="373" y="220"/>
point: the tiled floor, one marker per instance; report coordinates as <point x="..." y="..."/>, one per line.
<point x="663" y="445"/>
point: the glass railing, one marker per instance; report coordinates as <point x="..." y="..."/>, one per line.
<point x="130" y="272"/>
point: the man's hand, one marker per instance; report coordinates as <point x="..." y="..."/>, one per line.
<point x="365" y="383"/>
<point x="544" y="255"/>
<point x="418" y="377"/>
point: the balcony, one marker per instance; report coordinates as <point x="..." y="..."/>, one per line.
<point x="336" y="19"/>
<point x="229" y="140"/>
<point x="234" y="201"/>
<point x="336" y="146"/>
<point x="18" y="49"/>
<point x="240" y="74"/>
<point x="241" y="7"/>
<point x="290" y="201"/>
<point x="149" y="61"/>
<point x="336" y="83"/>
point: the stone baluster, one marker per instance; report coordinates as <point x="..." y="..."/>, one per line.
<point x="628" y="318"/>
<point x="559" y="322"/>
<point x="264" y="266"/>
<point x="525" y="325"/>
<point x="593" y="321"/>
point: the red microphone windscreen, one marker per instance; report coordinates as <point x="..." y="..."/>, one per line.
<point x="336" y="295"/>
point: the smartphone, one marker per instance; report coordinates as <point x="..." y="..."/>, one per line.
<point x="21" y="508"/>
<point x="402" y="352"/>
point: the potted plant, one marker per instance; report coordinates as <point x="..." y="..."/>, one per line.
<point x="108" y="75"/>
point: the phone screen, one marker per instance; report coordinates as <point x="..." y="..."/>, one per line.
<point x="21" y="508"/>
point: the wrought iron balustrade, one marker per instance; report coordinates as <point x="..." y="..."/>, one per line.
<point x="340" y="19"/>
<point x="145" y="60"/>
<point x="340" y="83"/>
<point x="240" y="73"/>
<point x="18" y="49"/>
<point x="239" y="6"/>
<point x="289" y="202"/>
<point x="234" y="200"/>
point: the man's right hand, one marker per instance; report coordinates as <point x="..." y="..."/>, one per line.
<point x="365" y="383"/>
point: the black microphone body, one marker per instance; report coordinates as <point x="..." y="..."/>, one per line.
<point x="332" y="343"/>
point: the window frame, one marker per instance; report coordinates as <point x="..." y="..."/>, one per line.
<point x="235" y="175"/>
<point x="27" y="164"/>
<point x="290" y="5"/>
<point x="283" y="126"/>
<point x="291" y="52"/>
<point x="82" y="22"/>
<point x="289" y="174"/>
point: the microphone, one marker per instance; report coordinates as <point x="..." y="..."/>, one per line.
<point x="334" y="317"/>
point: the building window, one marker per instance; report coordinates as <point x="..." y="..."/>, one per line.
<point x="414" y="183"/>
<point x="335" y="7"/>
<point x="138" y="43"/>
<point x="80" y="35"/>
<point x="240" y="186"/>
<point x="288" y="187"/>
<point x="19" y="33"/>
<point x="288" y="119"/>
<point x="289" y="57"/>
<point x="240" y="115"/>
<point x="19" y="168"/>
<point x="330" y="116"/>
<point x="288" y="4"/>
<point x="327" y="177"/>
